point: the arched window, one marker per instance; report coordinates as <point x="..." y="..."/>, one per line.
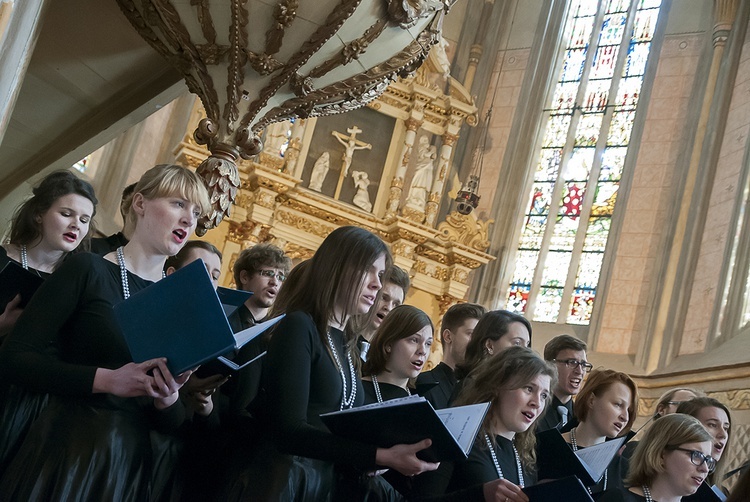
<point x="582" y="152"/>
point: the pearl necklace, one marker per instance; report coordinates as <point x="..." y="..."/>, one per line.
<point x="24" y="257"/>
<point x="574" y="444"/>
<point x="497" y="464"/>
<point x="377" y="388"/>
<point x="647" y="494"/>
<point x="345" y="402"/>
<point x="124" y="273"/>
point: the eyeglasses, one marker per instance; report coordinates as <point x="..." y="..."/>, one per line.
<point x="272" y="273"/>
<point x="697" y="457"/>
<point x="572" y="363"/>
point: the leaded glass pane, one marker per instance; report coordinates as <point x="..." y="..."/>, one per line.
<point x="613" y="161"/>
<point x="582" y="305"/>
<point x="541" y="199"/>
<point x="525" y="264"/>
<point x="518" y="298"/>
<point x="649" y="4"/>
<point x="618" y="6"/>
<point x="604" y="62"/>
<point x="548" y="304"/>
<point x="564" y="234"/>
<point x="619" y="130"/>
<point x="579" y="165"/>
<point x="637" y="58"/>
<point x="565" y="95"/>
<point x="645" y="22"/>
<point x="596" y="96"/>
<point x="557" y="129"/>
<point x="549" y="165"/>
<point x="572" y="199"/>
<point x="628" y="92"/>
<point x="556" y="269"/>
<point x="597" y="233"/>
<point x="588" y="129"/>
<point x="588" y="270"/>
<point x="533" y="232"/>
<point x="612" y="29"/>
<point x="604" y="199"/>
<point x="573" y="66"/>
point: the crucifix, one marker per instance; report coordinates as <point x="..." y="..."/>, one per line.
<point x="350" y="143"/>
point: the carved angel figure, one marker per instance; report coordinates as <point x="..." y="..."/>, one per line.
<point x="319" y="172"/>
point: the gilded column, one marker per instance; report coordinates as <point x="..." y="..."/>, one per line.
<point x="295" y="145"/>
<point x="397" y="184"/>
<point x="433" y="200"/>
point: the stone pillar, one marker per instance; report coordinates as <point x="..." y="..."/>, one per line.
<point x="672" y="285"/>
<point x="477" y="48"/>
<point x="433" y="200"/>
<point x="397" y="184"/>
<point x="22" y="21"/>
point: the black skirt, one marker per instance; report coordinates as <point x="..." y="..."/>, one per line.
<point x="19" y="409"/>
<point x="75" y="451"/>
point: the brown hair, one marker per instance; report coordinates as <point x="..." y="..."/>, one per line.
<point x="335" y="274"/>
<point x="513" y="368"/>
<point x="253" y="259"/>
<point x="401" y="322"/>
<point x="668" y="432"/>
<point x="457" y="314"/>
<point x="560" y="343"/>
<point x="26" y="227"/>
<point x="692" y="407"/>
<point x="597" y="383"/>
<point x="492" y="326"/>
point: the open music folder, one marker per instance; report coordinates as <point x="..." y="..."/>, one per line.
<point x="409" y="420"/>
<point x="14" y="280"/>
<point x="556" y="459"/>
<point x="181" y="318"/>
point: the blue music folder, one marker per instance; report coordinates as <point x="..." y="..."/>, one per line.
<point x="179" y="317"/>
<point x="231" y="299"/>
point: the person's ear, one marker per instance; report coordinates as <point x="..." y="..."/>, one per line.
<point x="447" y="337"/>
<point x="138" y="204"/>
<point x="388" y="349"/>
<point x="244" y="279"/>
<point x="488" y="346"/>
<point x="170" y="270"/>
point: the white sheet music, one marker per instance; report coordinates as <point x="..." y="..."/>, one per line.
<point x="463" y="422"/>
<point x="596" y="458"/>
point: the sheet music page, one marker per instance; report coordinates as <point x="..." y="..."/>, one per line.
<point x="246" y="335"/>
<point x="385" y="404"/>
<point x="463" y="422"/>
<point x="597" y="458"/>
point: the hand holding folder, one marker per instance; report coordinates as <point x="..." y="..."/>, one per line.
<point x="409" y="420"/>
<point x="181" y="318"/>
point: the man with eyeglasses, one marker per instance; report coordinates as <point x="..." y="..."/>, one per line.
<point x="262" y="270"/>
<point x="568" y="354"/>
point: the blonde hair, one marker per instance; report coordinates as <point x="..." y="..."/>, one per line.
<point x="667" y="433"/>
<point x="166" y="180"/>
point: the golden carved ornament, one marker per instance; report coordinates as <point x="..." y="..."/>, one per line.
<point x="272" y="161"/>
<point x="246" y="83"/>
<point x="305" y="224"/>
<point x="240" y="233"/>
<point x="460" y="275"/>
<point x="244" y="200"/>
<point x="734" y="399"/>
<point x="466" y="262"/>
<point x="466" y="230"/>
<point x="445" y="302"/>
<point x="402" y="248"/>
<point x="431" y="270"/>
<point x="297" y="252"/>
<point x="432" y="254"/>
<point x="412" y="214"/>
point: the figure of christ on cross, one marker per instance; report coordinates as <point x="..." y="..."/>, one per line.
<point x="350" y="143"/>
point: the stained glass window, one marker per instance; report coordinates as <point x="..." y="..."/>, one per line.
<point x="583" y="149"/>
<point x="82" y="165"/>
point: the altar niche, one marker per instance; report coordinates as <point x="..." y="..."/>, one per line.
<point x="332" y="134"/>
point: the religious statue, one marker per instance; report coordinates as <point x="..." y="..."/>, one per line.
<point x="441" y="54"/>
<point x="362" y="197"/>
<point x="276" y="135"/>
<point x="351" y="144"/>
<point x="421" y="182"/>
<point x="319" y="172"/>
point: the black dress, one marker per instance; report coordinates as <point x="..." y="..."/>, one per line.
<point x="387" y="391"/>
<point x="83" y="446"/>
<point x="301" y="382"/>
<point x="463" y="480"/>
<point x="18" y="406"/>
<point x="620" y="495"/>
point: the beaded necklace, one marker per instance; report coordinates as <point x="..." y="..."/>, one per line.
<point x="25" y="260"/>
<point x="647" y="494"/>
<point x="574" y="444"/>
<point x="124" y="273"/>
<point x="376" y="385"/>
<point x="497" y="464"/>
<point x="345" y="402"/>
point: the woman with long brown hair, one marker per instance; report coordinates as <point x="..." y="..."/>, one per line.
<point x="311" y="369"/>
